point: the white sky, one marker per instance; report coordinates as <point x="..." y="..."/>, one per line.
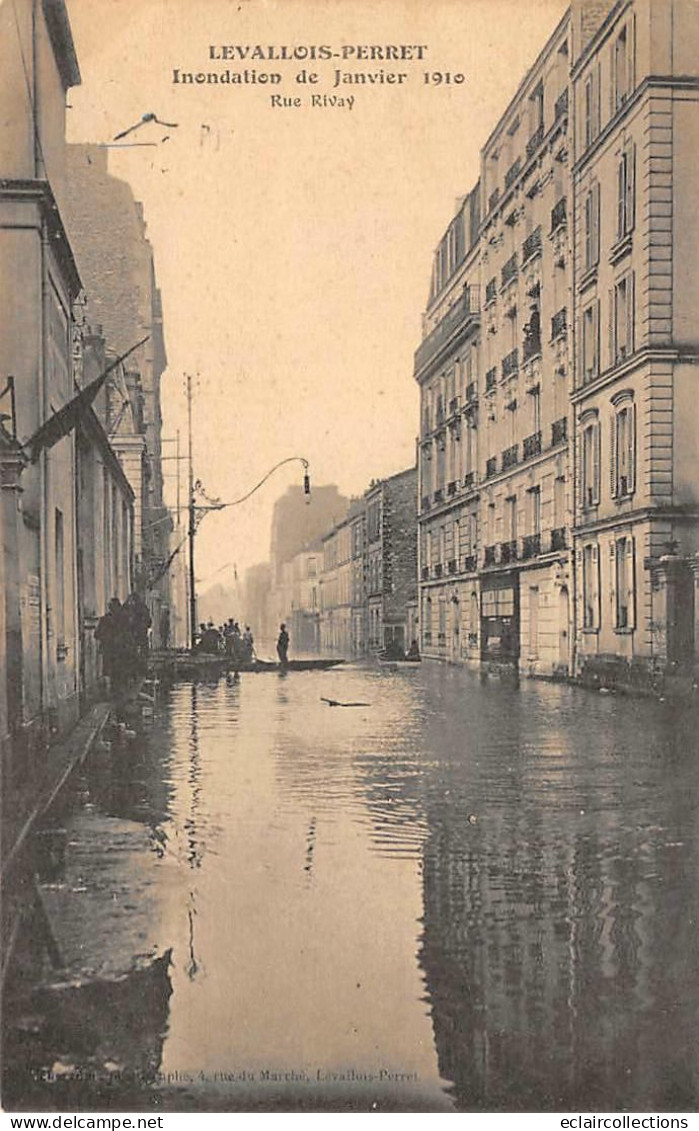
<point x="293" y="247"/>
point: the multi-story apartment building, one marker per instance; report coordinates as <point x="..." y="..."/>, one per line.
<point x="558" y="512"/>
<point x="525" y="272"/>
<point x="390" y="572"/>
<point x="336" y="590"/>
<point x="635" y="75"/>
<point x="447" y="368"/>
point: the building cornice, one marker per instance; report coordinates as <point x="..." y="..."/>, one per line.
<point x="669" y="355"/>
<point x="58" y="25"/>
<point x="650" y="82"/>
<point x="677" y="513"/>
<point x="39" y="192"/>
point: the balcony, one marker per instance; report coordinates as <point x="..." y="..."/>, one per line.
<point x="561" y="105"/>
<point x="493" y="199"/>
<point x="439" y="495"/>
<point x="452" y="565"/>
<point x="453" y="406"/>
<point x="464" y="309"/>
<point x="471" y="393"/>
<point x="510" y="363"/>
<point x="559" y="324"/>
<point x="559" y="431"/>
<point x="509" y="271"/>
<point x="535" y="140"/>
<point x="491" y="467"/>
<point x="508" y="551"/>
<point x="491" y="380"/>
<point x="532" y="341"/>
<point x="470" y="563"/>
<point x="559" y="214"/>
<point x="558" y="538"/>
<point x="438" y="570"/>
<point x="469" y="479"/>
<point x="490" y="555"/>
<point x="532" y="446"/>
<point x="531" y="546"/>
<point x="425" y="503"/>
<point x="512" y="174"/>
<point x="491" y="290"/>
<point x="510" y="457"/>
<point x="531" y="246"/>
<point x="451" y="488"/>
<point x="425" y="573"/>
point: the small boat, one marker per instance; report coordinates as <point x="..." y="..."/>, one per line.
<point x="185" y="664"/>
<point x="390" y="660"/>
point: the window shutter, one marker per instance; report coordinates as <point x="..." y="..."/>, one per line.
<point x="595" y="222"/>
<point x="612" y="456"/>
<point x="613" y="79"/>
<point x="631" y="460"/>
<point x="630" y="304"/>
<point x="598" y="98"/>
<point x="596" y="338"/>
<point x="630" y="187"/>
<point x="611" y="327"/>
<point x="612" y="583"/>
<point x="596" y="463"/>
<point x="588" y="230"/>
<point x="596" y="586"/>
<point x="631" y="575"/>
<point x="621" y="181"/>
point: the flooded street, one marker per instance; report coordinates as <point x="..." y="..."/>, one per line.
<point x="463" y="895"/>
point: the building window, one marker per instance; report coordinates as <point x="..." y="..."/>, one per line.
<point x="626" y="192"/>
<point x="534" y="497"/>
<point x="622" y="579"/>
<point x="590" y="586"/>
<point x="592" y="222"/>
<point x="622" y="462"/>
<point x="592" y="105"/>
<point x="622" y="319"/>
<point x="590" y="342"/>
<point x="622" y="67"/>
<point x="591" y="464"/>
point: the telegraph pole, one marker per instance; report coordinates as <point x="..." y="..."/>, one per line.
<point x="192" y="521"/>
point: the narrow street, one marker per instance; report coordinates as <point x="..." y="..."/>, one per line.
<point x="465" y="895"/>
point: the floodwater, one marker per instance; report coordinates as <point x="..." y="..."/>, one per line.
<point x="462" y="895"/>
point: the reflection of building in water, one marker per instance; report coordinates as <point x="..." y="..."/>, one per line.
<point x="556" y="949"/>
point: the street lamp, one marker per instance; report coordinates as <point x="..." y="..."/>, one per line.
<point x="198" y="510"/>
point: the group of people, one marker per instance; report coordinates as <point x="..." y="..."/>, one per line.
<point x="122" y="635"/>
<point x="227" y="640"/>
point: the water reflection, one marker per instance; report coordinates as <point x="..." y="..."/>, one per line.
<point x="486" y="893"/>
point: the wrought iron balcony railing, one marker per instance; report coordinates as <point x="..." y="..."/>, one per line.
<point x="438" y="570"/>
<point x="452" y="565"/>
<point x="490" y="558"/>
<point x="469" y="479"/>
<point x="491" y="290"/>
<point x="531" y="546"/>
<point x="508" y="551"/>
<point x="451" y="488"/>
<point x="491" y="379"/>
<point x="471" y="393"/>
<point x="510" y="363"/>
<point x="532" y="446"/>
<point x="464" y="309"/>
<point x="453" y="405"/>
<point x="559" y="214"/>
<point x="559" y="431"/>
<point x="512" y="173"/>
<point x="439" y="495"/>
<point x="535" y="140"/>
<point x="558" y="538"/>
<point x="470" y="563"/>
<point x="510" y="457"/>
<point x="491" y="467"/>
<point x="561" y="105"/>
<point x="559" y="324"/>
<point x="532" y="245"/>
<point x="509" y="270"/>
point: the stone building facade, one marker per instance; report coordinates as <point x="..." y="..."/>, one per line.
<point x="558" y="506"/>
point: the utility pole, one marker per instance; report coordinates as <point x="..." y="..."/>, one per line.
<point x="192" y="520"/>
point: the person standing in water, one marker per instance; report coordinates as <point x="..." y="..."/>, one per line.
<point x="283" y="646"/>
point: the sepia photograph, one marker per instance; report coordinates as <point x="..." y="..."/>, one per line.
<point x="349" y="558"/>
